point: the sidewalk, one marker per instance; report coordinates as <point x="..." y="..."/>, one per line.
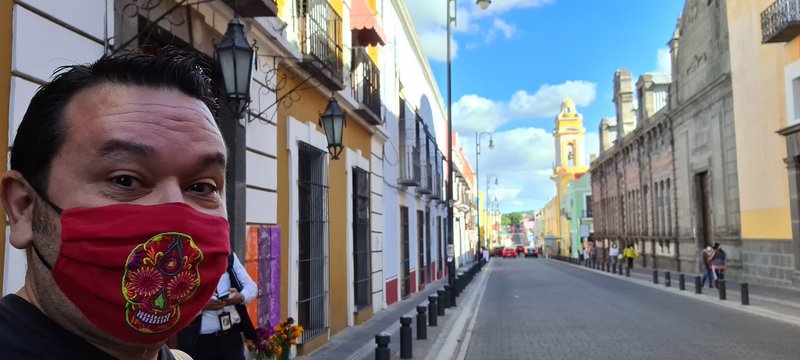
<point x="358" y="342"/>
<point x="777" y="303"/>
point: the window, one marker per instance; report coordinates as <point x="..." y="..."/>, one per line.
<point x="420" y="247"/>
<point x="361" y="245"/>
<point x="405" y="253"/>
<point x="669" y="208"/>
<point x="439" y="236"/>
<point x="428" y="239"/>
<point x="312" y="222"/>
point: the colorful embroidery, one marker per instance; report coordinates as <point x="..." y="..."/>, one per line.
<point x="160" y="275"/>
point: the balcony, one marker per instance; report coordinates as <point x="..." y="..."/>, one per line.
<point x="409" y="166"/>
<point x="320" y="33"/>
<point x="254" y="8"/>
<point x="780" y="22"/>
<point x="365" y="81"/>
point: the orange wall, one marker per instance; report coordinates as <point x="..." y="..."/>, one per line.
<point x="6" y="8"/>
<point x="310" y="105"/>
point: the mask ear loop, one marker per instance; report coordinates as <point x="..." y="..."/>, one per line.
<point x="55" y="208"/>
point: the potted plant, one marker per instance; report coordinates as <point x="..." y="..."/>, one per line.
<point x="275" y="343"/>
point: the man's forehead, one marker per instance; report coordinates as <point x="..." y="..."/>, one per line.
<point x="108" y="98"/>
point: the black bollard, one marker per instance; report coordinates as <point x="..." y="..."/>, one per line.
<point x="608" y="267"/>
<point x="602" y="266"/>
<point x="448" y="293"/>
<point x="620" y="269"/>
<point x="667" y="280"/>
<point x="614" y="268"/>
<point x="721" y="288"/>
<point x="422" y="322"/>
<point x="442" y="302"/>
<point x="433" y="310"/>
<point x="698" y="288"/>
<point x="405" y="337"/>
<point x="655" y="276"/>
<point x="745" y="294"/>
<point x="382" y="346"/>
<point x="682" y="282"/>
<point x="627" y="272"/>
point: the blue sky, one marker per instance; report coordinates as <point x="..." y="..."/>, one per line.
<point x="514" y="63"/>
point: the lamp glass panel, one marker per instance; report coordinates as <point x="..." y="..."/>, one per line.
<point x="244" y="68"/>
<point x="327" y="125"/>
<point x="338" y="125"/>
<point x="227" y="64"/>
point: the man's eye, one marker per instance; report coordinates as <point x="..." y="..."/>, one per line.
<point x="203" y="188"/>
<point x="124" y="180"/>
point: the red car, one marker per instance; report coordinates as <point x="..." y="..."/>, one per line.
<point x="509" y="252"/>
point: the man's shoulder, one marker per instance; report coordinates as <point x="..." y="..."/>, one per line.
<point x="27" y="333"/>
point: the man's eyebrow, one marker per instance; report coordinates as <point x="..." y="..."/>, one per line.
<point x="113" y="148"/>
<point x="217" y="159"/>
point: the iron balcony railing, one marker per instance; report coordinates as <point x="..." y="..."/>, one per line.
<point x="409" y="166"/>
<point x="320" y="30"/>
<point x="780" y="22"/>
<point x="365" y="78"/>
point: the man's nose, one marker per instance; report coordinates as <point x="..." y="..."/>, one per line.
<point x="170" y="192"/>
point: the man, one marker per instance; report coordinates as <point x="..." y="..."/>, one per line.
<point x="613" y="253"/>
<point x="708" y="274"/>
<point x="224" y="319"/>
<point x="719" y="264"/>
<point x="116" y="195"/>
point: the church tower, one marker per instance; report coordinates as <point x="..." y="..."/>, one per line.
<point x="568" y="139"/>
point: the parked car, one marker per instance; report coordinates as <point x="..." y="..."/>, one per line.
<point x="532" y="252"/>
<point x="520" y="249"/>
<point x="509" y="252"/>
<point x="497" y="251"/>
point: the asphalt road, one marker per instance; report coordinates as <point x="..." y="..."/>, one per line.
<point x="544" y="309"/>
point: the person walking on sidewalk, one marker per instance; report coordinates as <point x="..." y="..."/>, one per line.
<point x="707" y="255"/>
<point x="630" y="254"/>
<point x="719" y="264"/>
<point x="613" y="253"/>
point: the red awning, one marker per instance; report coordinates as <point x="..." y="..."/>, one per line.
<point x="366" y="24"/>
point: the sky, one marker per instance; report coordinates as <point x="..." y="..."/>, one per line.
<point x="514" y="63"/>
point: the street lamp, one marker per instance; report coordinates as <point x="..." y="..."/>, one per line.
<point x="477" y="175"/>
<point x="235" y="57"/>
<point x="451" y="18"/>
<point x="333" y="122"/>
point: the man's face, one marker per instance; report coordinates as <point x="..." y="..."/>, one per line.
<point x="127" y="144"/>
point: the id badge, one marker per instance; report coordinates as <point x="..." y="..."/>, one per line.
<point x="235" y="319"/>
<point x="225" y="321"/>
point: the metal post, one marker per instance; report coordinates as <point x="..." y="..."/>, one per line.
<point x="405" y="337"/>
<point x="614" y="266"/>
<point x="667" y="280"/>
<point x="655" y="276"/>
<point x="682" y="282"/>
<point x="448" y="294"/>
<point x="433" y="310"/>
<point x="382" y="346"/>
<point x="721" y="288"/>
<point x="452" y="264"/>
<point x="442" y="301"/>
<point x="745" y="294"/>
<point x="422" y="323"/>
<point x="628" y="272"/>
<point x="698" y="288"/>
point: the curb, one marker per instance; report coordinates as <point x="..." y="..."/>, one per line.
<point x="750" y="309"/>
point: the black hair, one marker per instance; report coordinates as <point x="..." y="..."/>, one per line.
<point x="42" y="131"/>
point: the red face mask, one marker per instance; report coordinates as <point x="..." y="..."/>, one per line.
<point x="140" y="273"/>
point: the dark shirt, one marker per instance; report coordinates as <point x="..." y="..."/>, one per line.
<point x="27" y="333"/>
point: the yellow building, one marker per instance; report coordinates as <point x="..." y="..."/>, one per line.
<point x="5" y="88"/>
<point x="568" y="136"/>
<point x="765" y="72"/>
<point x="549" y="230"/>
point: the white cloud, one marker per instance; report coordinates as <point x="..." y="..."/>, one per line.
<point x="546" y="101"/>
<point x="434" y="44"/>
<point x="522" y="160"/>
<point x="664" y="61"/>
<point x="473" y="113"/>
<point x="498" y="25"/>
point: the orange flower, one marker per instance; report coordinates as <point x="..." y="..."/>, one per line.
<point x="293" y="342"/>
<point x="277" y="328"/>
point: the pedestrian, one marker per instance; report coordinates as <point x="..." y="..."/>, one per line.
<point x="115" y="193"/>
<point x="719" y="264"/>
<point x="593" y="251"/>
<point x="217" y="332"/>
<point x="581" y="251"/>
<point x="708" y="273"/>
<point x="587" y="254"/>
<point x="630" y="254"/>
<point x="613" y="253"/>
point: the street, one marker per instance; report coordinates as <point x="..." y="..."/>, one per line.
<point x="543" y="309"/>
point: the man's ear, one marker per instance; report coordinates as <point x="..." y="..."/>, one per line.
<point x="17" y="197"/>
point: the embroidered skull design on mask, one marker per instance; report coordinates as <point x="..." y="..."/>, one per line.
<point x="159" y="275"/>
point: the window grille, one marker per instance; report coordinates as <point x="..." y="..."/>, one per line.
<point x="406" y="253"/>
<point x="312" y="224"/>
<point x="420" y="247"/>
<point x="428" y="239"/>
<point x="361" y="246"/>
